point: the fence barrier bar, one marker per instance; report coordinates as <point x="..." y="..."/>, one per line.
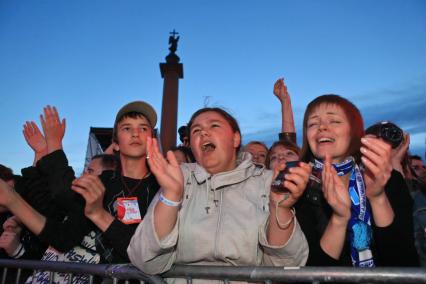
<point x="228" y="273"/>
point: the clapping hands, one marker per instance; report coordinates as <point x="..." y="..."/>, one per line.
<point x="35" y="138"/>
<point x="167" y="171"/>
<point x="376" y="157"/>
<point x="53" y="128"/>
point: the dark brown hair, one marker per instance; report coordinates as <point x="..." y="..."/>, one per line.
<point x="131" y="115"/>
<point x="108" y="161"/>
<point x="353" y="115"/>
<point x="229" y="118"/>
<point x="286" y="144"/>
<point x="6" y="173"/>
<point x="189" y="157"/>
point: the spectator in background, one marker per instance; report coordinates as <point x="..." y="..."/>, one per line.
<point x="183" y="154"/>
<point x="16" y="241"/>
<point x="418" y="167"/>
<point x="288" y="130"/>
<point x="286" y="149"/>
<point x="419" y="209"/>
<point x="258" y="151"/>
<point x="183" y="135"/>
<point x="100" y="163"/>
<point x="282" y="152"/>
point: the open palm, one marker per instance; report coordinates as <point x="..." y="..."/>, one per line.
<point x="34" y="137"/>
<point x="168" y="172"/>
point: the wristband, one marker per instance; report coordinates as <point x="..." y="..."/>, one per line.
<point x="287" y="137"/>
<point x="169" y="202"/>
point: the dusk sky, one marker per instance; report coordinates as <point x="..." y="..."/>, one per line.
<point x="88" y="58"/>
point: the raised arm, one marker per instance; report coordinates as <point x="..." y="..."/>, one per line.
<point x="33" y="220"/>
<point x="288" y="131"/>
<point x="376" y="157"/>
<point x="62" y="235"/>
<point x="35" y="140"/>
<point x="170" y="178"/>
<point x="53" y="128"/>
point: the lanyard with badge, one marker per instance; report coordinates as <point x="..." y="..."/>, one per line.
<point x="128" y="211"/>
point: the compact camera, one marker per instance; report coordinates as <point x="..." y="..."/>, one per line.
<point x="388" y="131"/>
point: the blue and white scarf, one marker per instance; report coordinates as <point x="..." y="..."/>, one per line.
<point x="359" y="226"/>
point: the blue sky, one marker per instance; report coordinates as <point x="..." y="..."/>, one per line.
<point x="88" y="58"/>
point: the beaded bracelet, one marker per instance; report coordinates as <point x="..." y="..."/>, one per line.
<point x="287" y="224"/>
<point x="169" y="202"/>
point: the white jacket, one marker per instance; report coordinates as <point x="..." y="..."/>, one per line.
<point x="222" y="221"/>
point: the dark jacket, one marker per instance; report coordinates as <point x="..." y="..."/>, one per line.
<point x="392" y="245"/>
<point x="67" y="232"/>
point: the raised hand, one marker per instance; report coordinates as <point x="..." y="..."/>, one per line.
<point x="295" y="181"/>
<point x="34" y="138"/>
<point x="168" y="173"/>
<point x="398" y="154"/>
<point x="376" y="157"/>
<point x="53" y="128"/>
<point x="335" y="191"/>
<point x="280" y="90"/>
<point x="93" y="191"/>
<point x="110" y="149"/>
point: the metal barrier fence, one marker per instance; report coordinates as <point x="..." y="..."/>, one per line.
<point x="226" y="273"/>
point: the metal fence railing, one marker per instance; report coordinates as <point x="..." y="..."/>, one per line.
<point x="224" y="273"/>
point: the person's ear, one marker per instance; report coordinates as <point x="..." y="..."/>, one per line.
<point x="237" y="139"/>
<point x="115" y="146"/>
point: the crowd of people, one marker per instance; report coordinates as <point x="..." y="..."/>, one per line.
<point x="346" y="197"/>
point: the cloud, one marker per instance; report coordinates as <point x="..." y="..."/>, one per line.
<point x="405" y="106"/>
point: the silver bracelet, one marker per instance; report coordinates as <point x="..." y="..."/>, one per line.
<point x="169" y="202"/>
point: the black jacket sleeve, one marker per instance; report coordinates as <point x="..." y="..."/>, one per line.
<point x="34" y="247"/>
<point x="312" y="218"/>
<point x="394" y="244"/>
<point x="33" y="188"/>
<point x="69" y="232"/>
<point x="59" y="176"/>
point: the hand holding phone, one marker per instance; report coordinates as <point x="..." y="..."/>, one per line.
<point x="278" y="184"/>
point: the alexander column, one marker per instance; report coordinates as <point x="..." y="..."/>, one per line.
<point x="171" y="71"/>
